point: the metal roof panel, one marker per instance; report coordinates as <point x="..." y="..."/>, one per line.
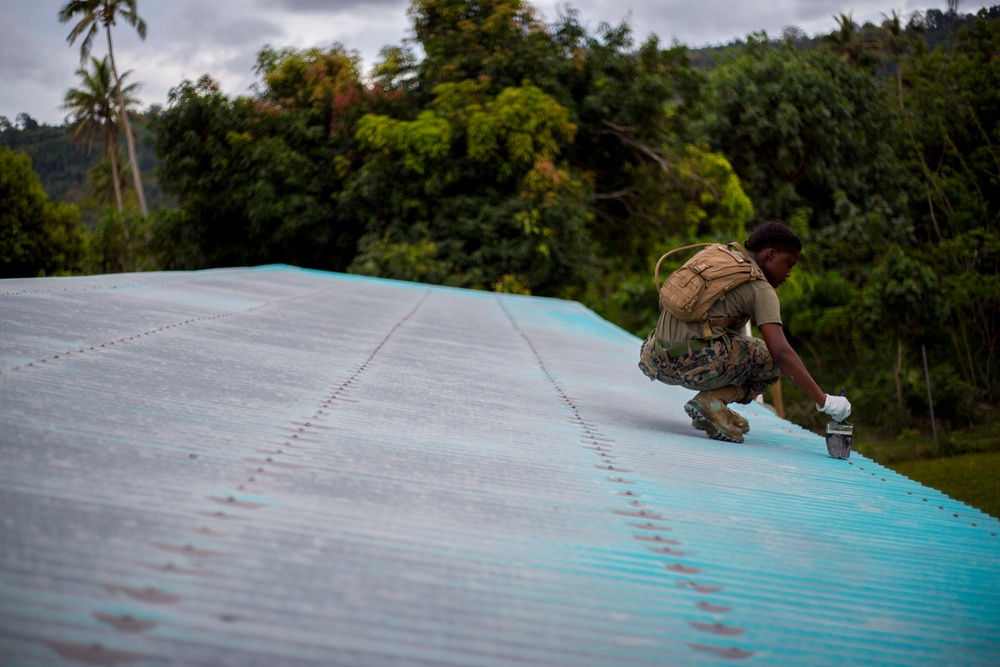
<point x="278" y="466"/>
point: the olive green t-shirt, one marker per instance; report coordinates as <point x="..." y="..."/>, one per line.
<point x="755" y="300"/>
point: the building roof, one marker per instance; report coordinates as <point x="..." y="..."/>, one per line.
<point x="275" y="466"/>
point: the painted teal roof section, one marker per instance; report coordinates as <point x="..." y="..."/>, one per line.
<point x="274" y="466"/>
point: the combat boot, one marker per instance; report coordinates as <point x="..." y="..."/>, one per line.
<point x="709" y="409"/>
<point x="735" y="418"/>
<point x="738" y="420"/>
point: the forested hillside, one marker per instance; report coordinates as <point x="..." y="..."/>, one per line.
<point x="519" y="156"/>
<point x="62" y="165"/>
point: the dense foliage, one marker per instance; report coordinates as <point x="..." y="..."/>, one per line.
<point x="515" y="155"/>
<point x="37" y="236"/>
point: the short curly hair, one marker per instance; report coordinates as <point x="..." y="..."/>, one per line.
<point x="773" y="234"/>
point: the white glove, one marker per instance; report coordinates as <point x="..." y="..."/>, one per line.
<point x="837" y="407"/>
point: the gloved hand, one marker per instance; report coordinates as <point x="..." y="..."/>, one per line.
<point x="837" y="407"/>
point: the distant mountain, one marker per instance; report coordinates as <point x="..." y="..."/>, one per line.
<point x="62" y="165"/>
<point x="940" y="29"/>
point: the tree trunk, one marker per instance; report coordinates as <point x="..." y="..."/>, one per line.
<point x="111" y="148"/>
<point x="896" y="368"/>
<point x="899" y="84"/>
<point x="130" y="142"/>
<point x="114" y="175"/>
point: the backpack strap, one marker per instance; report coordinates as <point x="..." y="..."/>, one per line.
<point x="656" y="271"/>
<point x="754" y="269"/>
<point x="743" y="252"/>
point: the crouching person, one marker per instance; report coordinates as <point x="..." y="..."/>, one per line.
<point x="699" y="341"/>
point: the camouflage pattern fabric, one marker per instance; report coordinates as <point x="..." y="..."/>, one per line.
<point x="731" y="360"/>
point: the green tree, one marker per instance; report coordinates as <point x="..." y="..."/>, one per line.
<point x="901" y="301"/>
<point x="92" y="114"/>
<point x="465" y="167"/>
<point x="475" y="184"/>
<point x="123" y="242"/>
<point x="106" y="181"/>
<point x="323" y="86"/>
<point x="896" y="39"/>
<point x="94" y="14"/>
<point x="261" y="179"/>
<point x="652" y="177"/>
<point x="953" y="123"/>
<point x="804" y="131"/>
<point x="970" y="267"/>
<point x="854" y="44"/>
<point x="37" y="237"/>
<point x="204" y="141"/>
<point x="952" y="153"/>
<point x="549" y="127"/>
<point x="502" y="41"/>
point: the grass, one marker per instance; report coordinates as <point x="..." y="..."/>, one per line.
<point x="972" y="478"/>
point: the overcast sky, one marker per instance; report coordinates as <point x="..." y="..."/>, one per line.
<point x="188" y="38"/>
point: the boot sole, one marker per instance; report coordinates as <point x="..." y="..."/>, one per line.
<point x="699" y="423"/>
<point x="694" y="411"/>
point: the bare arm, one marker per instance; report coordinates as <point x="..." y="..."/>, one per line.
<point x="789" y="363"/>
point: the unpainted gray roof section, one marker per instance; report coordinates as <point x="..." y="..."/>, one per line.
<point x="275" y="466"/>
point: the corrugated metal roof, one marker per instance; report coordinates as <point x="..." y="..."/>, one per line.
<point x="275" y="466"/>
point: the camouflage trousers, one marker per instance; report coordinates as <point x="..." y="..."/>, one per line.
<point x="733" y="360"/>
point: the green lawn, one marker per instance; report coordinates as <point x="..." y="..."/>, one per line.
<point x="972" y="478"/>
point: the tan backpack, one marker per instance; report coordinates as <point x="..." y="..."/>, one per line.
<point x="690" y="291"/>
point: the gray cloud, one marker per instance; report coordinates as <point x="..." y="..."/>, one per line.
<point x="222" y="37"/>
<point x="37" y="66"/>
<point x="327" y="6"/>
<point x="713" y="22"/>
<point x="16" y="48"/>
<point x="211" y="25"/>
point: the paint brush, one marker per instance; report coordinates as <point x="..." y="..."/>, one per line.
<point x="839" y="436"/>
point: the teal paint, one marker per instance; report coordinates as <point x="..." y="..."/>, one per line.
<point x="438" y="497"/>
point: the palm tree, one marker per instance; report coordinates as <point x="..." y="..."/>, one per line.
<point x="93" y="113"/>
<point x="105" y="180"/>
<point x="849" y="41"/>
<point x="94" y="14"/>
<point x="896" y="38"/>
